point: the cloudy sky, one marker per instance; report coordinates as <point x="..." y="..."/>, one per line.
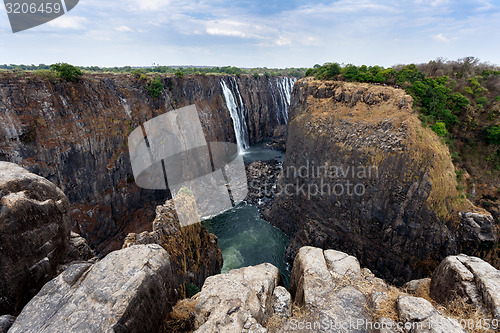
<point x="258" y="33"/>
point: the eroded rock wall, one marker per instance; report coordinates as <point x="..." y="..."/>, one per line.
<point x="362" y="175"/>
<point x="75" y="135"/>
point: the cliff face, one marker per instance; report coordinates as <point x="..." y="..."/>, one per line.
<point x="362" y="175"/>
<point x="75" y="135"/>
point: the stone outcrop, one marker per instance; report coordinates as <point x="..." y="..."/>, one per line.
<point x="329" y="292"/>
<point x="78" y="249"/>
<point x="194" y="252"/>
<point x="6" y="322"/>
<point x="423" y="316"/>
<point x="362" y="175"/>
<point x="470" y="279"/>
<point x="239" y="301"/>
<point x="127" y="291"/>
<point x="75" y="135"/>
<point x="34" y="234"/>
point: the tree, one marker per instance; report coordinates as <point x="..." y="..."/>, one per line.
<point x="67" y="71"/>
<point x="440" y="129"/>
<point x="492" y="134"/>
<point x="155" y="87"/>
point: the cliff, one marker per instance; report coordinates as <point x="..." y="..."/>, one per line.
<point x="362" y="175"/>
<point x="75" y="135"/>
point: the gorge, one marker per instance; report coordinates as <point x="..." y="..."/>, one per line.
<point x="406" y="221"/>
<point x="75" y="135"/>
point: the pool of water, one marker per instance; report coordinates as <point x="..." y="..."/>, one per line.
<point x="244" y="237"/>
<point x="259" y="152"/>
<point x="247" y="240"/>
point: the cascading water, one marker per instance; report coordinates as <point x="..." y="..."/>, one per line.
<point x="236" y="108"/>
<point x="285" y="88"/>
<point x="281" y="91"/>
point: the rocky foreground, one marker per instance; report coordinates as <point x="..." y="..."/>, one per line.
<point x="137" y="288"/>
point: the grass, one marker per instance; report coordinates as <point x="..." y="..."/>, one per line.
<point x="181" y="318"/>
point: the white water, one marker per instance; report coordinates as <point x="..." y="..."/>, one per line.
<point x="281" y="92"/>
<point x="285" y="88"/>
<point x="237" y="113"/>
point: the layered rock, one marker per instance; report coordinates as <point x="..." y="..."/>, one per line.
<point x="194" y="252"/>
<point x="470" y="279"/>
<point x="75" y="135"/>
<point x="34" y="234"/>
<point x="362" y="175"/>
<point x="127" y="291"/>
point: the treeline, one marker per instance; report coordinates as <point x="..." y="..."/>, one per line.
<point x="179" y="71"/>
<point x="452" y="96"/>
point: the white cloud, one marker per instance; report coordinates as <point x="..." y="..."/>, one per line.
<point x="441" y="38"/>
<point x="484" y="5"/>
<point x="68" y="22"/>
<point x="148" y="5"/>
<point x="123" y="28"/>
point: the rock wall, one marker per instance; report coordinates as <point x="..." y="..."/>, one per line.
<point x="75" y="135"/>
<point x="194" y="253"/>
<point x="34" y="235"/>
<point x="362" y="175"/>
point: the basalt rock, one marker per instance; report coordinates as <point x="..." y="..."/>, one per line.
<point x="239" y="301"/>
<point x="34" y="234"/>
<point x="362" y="175"/>
<point x="128" y="291"/>
<point x="468" y="278"/>
<point x="194" y="252"/>
<point x="75" y="135"/>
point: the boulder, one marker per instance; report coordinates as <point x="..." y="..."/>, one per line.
<point x="328" y="284"/>
<point x="78" y="249"/>
<point x="34" y="233"/>
<point x="238" y="301"/>
<point x="469" y="278"/>
<point x="127" y="291"/>
<point x="6" y="322"/>
<point x="282" y="302"/>
<point x="420" y="316"/>
<point x="415" y="286"/>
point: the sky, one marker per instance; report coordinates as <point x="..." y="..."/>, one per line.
<point x="258" y="33"/>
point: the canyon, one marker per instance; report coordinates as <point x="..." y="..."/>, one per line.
<point x="75" y="135"/>
<point x="400" y="214"/>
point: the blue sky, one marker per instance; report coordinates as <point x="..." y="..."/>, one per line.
<point x="272" y="33"/>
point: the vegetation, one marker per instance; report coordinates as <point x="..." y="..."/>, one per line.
<point x="155" y="87"/>
<point x="67" y="71"/>
<point x="137" y="71"/>
<point x="459" y="100"/>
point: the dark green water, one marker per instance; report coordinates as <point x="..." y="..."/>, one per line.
<point x="244" y="238"/>
<point x="247" y="240"/>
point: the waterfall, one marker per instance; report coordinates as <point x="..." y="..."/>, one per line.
<point x="285" y="87"/>
<point x="236" y="108"/>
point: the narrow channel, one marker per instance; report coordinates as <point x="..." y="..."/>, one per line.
<point x="244" y="237"/>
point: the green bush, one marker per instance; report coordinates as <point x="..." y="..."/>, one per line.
<point x="179" y="73"/>
<point x="440" y="128"/>
<point x="492" y="134"/>
<point x="67" y="71"/>
<point x="155" y="87"/>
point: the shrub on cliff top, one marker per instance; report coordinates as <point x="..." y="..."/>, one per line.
<point x="155" y="87"/>
<point x="66" y="71"/>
